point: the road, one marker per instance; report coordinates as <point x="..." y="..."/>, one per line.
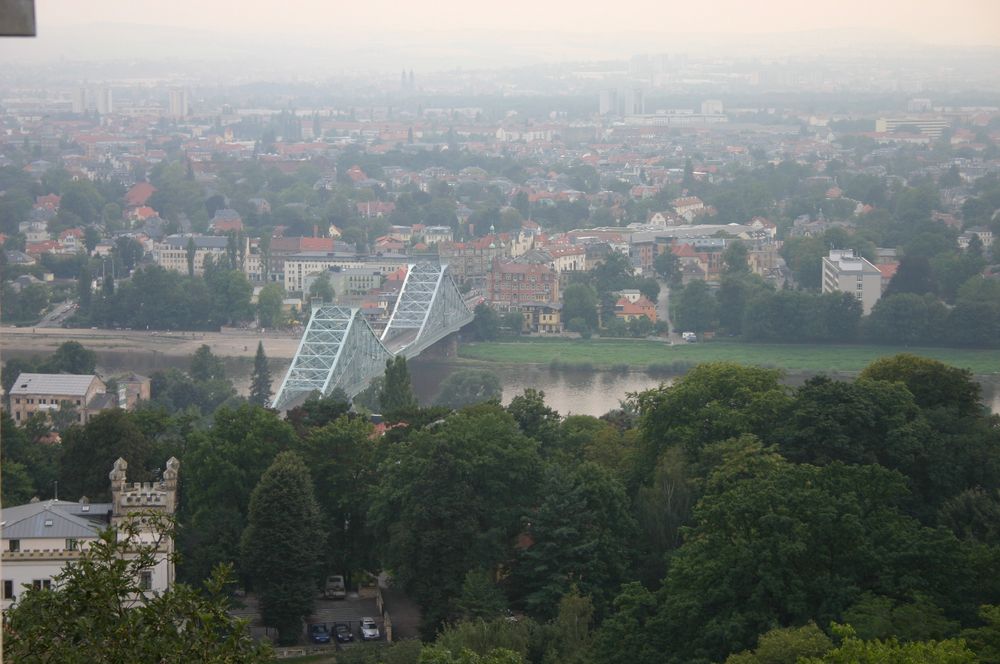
<point x="56" y="317"/>
<point x="663" y="311"/>
<point x="42" y="340"/>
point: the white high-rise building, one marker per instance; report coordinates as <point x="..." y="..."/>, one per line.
<point x="608" y="102"/>
<point x="178" y="103"/>
<point x="80" y="100"/>
<point x="843" y="272"/>
<point x="711" y="107"/>
<point x="105" y="104"/>
<point x="635" y="104"/>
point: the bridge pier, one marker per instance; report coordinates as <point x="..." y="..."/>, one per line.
<point x="445" y="349"/>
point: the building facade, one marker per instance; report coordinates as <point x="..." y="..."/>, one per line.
<point x="512" y="284"/>
<point x="39" y="539"/>
<point x="843" y="272"/>
<point x="34" y="392"/>
<point x="172" y="252"/>
<point x="298" y="267"/>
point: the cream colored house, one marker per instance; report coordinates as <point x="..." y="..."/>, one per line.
<point x="33" y="392"/>
<point x="38" y="539"/>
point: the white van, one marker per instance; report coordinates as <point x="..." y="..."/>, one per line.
<point x="334" y="588"/>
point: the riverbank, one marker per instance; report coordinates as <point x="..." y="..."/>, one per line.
<point x="641" y="354"/>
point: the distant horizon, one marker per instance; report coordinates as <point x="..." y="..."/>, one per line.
<point x="382" y="36"/>
<point x="959" y="22"/>
<point x="448" y="49"/>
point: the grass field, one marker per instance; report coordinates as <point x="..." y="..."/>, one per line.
<point x="607" y="353"/>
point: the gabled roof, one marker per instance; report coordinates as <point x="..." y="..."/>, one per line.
<point x="63" y="384"/>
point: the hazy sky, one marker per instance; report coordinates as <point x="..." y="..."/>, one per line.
<point x="955" y="22"/>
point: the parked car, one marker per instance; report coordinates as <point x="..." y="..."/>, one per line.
<point x="343" y="632"/>
<point x="689" y="337"/>
<point x="369" y="630"/>
<point x="319" y="634"/>
<point x="334" y="587"/>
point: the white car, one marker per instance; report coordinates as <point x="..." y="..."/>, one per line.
<point x="369" y="630"/>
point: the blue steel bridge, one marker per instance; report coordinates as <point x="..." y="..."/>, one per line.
<point x="340" y="349"/>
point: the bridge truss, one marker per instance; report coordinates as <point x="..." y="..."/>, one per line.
<point x="429" y="308"/>
<point x="339" y="348"/>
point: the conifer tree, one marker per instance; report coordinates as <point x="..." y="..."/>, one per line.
<point x="282" y="546"/>
<point x="260" y="379"/>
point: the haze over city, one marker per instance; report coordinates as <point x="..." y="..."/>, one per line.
<point x="519" y="333"/>
<point x="451" y="34"/>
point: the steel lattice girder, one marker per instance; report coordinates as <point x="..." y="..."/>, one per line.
<point x="338" y="349"/>
<point x="415" y="297"/>
<point x="447" y="313"/>
<point x="429" y="303"/>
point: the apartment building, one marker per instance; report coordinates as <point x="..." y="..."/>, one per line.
<point x="34" y="392"/>
<point x="172" y="252"/>
<point x="512" y="284"/>
<point x="843" y="272"/>
<point x="931" y="127"/>
<point x="299" y="267"/>
<point x="348" y="283"/>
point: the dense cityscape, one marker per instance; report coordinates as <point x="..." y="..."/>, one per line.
<point x="679" y="356"/>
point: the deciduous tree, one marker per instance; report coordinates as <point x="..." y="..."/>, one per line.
<point x="97" y="611"/>
<point x="468" y="386"/>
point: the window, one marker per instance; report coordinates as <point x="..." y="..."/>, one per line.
<point x="145" y="580"/>
<point x="72" y="545"/>
<point x="13" y="545"/>
<point x="8" y="589"/>
<point x="17" y="400"/>
<point x="42" y="584"/>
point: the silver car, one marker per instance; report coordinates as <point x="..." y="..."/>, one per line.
<point x="369" y="630"/>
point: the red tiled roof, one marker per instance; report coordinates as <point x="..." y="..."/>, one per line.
<point x="683" y="251"/>
<point x="315" y="243"/>
<point x="139" y="194"/>
<point x="888" y="270"/>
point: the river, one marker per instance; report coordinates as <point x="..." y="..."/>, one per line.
<point x="577" y="392"/>
<point x="591" y="392"/>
